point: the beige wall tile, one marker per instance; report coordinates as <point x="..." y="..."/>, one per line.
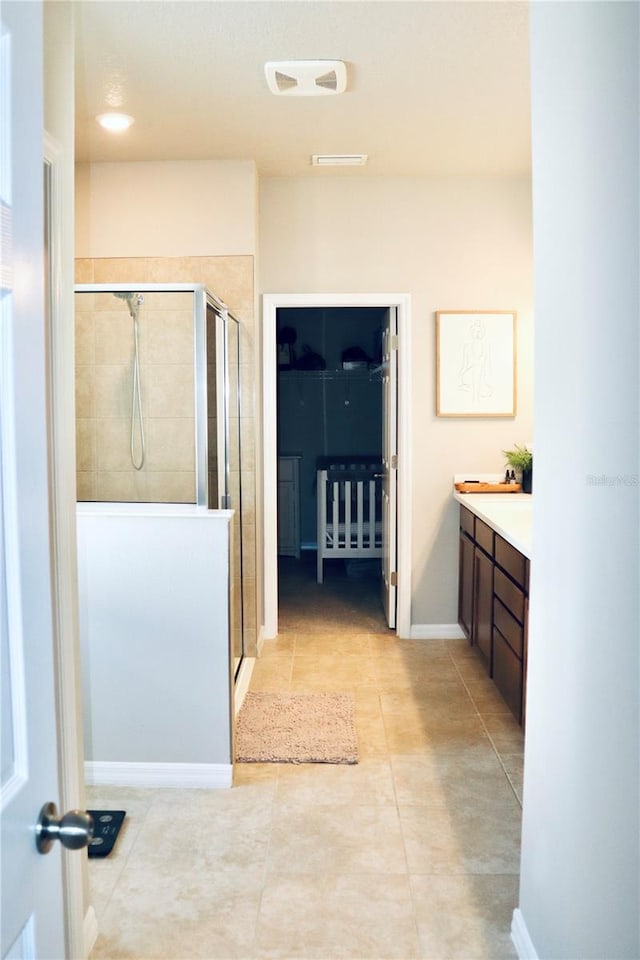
<point x="112" y="390"/>
<point x="170" y="444"/>
<point x="168" y="390"/>
<point x="86" y="460"/>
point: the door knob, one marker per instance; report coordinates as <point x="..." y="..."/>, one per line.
<point x="73" y="830"/>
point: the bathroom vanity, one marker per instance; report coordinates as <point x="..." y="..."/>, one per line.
<point x="493" y="587"/>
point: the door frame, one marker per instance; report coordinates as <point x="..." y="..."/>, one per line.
<point x="271" y="302"/>
<point x="80" y="920"/>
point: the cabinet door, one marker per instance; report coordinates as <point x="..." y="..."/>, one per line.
<point x="465" y="585"/>
<point x="483" y="606"/>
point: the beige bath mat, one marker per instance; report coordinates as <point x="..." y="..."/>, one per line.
<point x="296" y="728"/>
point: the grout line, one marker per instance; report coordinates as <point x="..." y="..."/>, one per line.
<point x="491" y="740"/>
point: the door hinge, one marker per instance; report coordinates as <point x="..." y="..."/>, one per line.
<point x="393" y="579"/>
<point x="394" y="462"/>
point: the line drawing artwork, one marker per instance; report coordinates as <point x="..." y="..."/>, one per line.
<point x="475" y="377"/>
<point x="476" y="363"/>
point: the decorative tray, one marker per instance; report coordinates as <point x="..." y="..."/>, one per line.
<point x="478" y="486"/>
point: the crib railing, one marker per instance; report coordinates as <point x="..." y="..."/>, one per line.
<point x="349" y="515"/>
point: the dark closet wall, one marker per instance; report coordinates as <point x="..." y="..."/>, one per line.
<point x="330" y="412"/>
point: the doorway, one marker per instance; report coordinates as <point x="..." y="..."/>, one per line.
<point x="401" y="305"/>
<point x="329" y="402"/>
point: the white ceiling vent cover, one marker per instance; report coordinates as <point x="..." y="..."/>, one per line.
<point x="306" y="78"/>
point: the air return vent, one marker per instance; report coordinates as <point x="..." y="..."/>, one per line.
<point x="306" y="78"/>
<point x="338" y="159"/>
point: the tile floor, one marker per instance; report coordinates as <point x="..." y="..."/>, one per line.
<point x="412" y="853"/>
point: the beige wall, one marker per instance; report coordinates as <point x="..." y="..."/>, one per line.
<point x="183" y="223"/>
<point x="165" y="209"/>
<point x="453" y="243"/>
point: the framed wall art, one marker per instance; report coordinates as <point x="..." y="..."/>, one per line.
<point x="476" y="363"/>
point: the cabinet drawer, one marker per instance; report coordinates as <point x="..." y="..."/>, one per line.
<point x="511" y="595"/>
<point x="512" y="561"/>
<point x="287" y="469"/>
<point x="511" y="630"/>
<point x="467" y="521"/>
<point x="507" y="674"/>
<point x="484" y="537"/>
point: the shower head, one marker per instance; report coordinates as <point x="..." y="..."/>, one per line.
<point x="133" y="299"/>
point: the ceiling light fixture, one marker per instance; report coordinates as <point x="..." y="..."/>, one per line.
<point x="306" y="78"/>
<point x="115" y="122"/>
<point x="339" y="159"/>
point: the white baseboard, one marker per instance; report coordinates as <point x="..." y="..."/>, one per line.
<point x="520" y="937"/>
<point x="89" y="931"/>
<point x="242" y="682"/>
<point x="211" y="775"/>
<point x="436" y="631"/>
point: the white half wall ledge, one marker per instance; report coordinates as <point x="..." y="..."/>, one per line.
<point x="217" y="776"/>
<point x="436" y="631"/>
<point x="520" y="937"/>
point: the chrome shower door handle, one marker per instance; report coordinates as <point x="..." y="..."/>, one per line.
<point x="74" y="830"/>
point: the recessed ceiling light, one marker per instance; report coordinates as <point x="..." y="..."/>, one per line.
<point x="339" y="159"/>
<point x="115" y="122"/>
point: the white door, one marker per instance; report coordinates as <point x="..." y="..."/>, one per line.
<point x="390" y="464"/>
<point x="32" y="900"/>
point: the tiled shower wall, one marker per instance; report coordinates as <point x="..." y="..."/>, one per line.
<point x="104" y="351"/>
<point x="231" y="279"/>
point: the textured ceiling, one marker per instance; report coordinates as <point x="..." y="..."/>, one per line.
<point x="433" y="88"/>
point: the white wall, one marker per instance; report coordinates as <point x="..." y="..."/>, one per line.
<point x="165" y="209"/>
<point x="451" y="243"/>
<point x="580" y="871"/>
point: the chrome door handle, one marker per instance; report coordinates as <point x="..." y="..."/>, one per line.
<point x="74" y="830"/>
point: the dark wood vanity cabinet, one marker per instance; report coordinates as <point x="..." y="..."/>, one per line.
<point x="483" y="606"/>
<point x="465" y="575"/>
<point x="493" y="606"/>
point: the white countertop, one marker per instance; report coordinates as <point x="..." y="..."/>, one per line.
<point x="509" y="514"/>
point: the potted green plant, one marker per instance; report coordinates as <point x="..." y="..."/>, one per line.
<point x="520" y="459"/>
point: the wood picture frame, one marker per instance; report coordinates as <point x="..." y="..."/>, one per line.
<point x="476" y="363"/>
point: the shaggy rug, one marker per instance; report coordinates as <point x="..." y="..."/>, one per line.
<point x="296" y="728"/>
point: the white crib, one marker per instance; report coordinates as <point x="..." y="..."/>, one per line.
<point x="349" y="497"/>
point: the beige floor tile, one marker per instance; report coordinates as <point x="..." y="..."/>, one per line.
<point x="216" y="829"/>
<point x="481" y="834"/>
<point x="370" y="729"/>
<point x="505" y="734"/>
<point x="388" y="643"/>
<point x="471" y="667"/>
<point x="486" y="697"/>
<point x="173" y="911"/>
<point x="429" y="700"/>
<point x="422" y="733"/>
<point x="332" y="644"/>
<point x="452" y="778"/>
<point x="332" y="672"/>
<point x="272" y="673"/>
<point x="465" y="918"/>
<point x="333" y="917"/>
<point x="514" y="767"/>
<point x="338" y="838"/>
<point x="282" y="645"/>
<point x="369" y="782"/>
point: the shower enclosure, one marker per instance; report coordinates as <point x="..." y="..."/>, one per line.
<point x="158" y="405"/>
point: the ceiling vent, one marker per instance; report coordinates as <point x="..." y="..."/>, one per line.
<point x="306" y="78"/>
<point x="339" y="159"/>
